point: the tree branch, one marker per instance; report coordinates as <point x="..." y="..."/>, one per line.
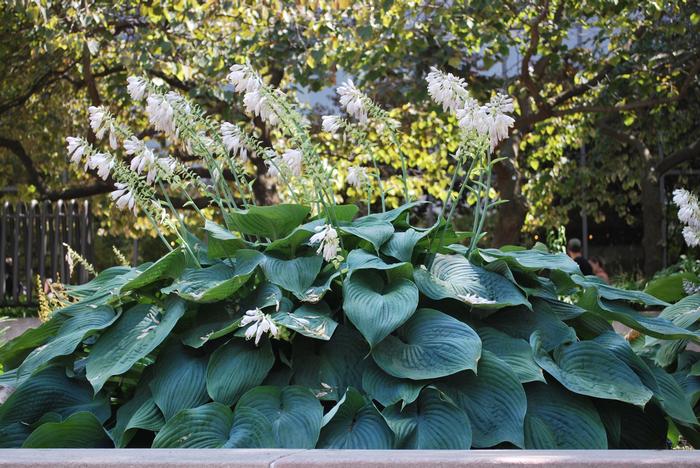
<point x="35" y="177"/>
<point x="678" y="157"/>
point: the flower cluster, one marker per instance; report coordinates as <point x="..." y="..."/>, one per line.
<point x="353" y="100"/>
<point x="329" y="243"/>
<point x="447" y="89"/>
<point x="491" y="120"/>
<point x="291" y="161"/>
<point x="233" y="139"/>
<point x="246" y="80"/>
<point x="357" y="176"/>
<point x="688" y="214"/>
<point x="260" y="323"/>
<point x="101" y="123"/>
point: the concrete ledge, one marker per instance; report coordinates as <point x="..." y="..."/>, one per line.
<point x="220" y="458"/>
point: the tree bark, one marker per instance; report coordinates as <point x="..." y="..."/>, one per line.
<point x="652" y="209"/>
<point x="510" y="216"/>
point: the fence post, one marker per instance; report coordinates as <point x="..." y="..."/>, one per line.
<point x="28" y="241"/>
<point x="3" y="253"/>
<point x="42" y="241"/>
<point x="15" y="253"/>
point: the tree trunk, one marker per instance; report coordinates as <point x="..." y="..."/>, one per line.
<point x="510" y="216"/>
<point x="652" y="214"/>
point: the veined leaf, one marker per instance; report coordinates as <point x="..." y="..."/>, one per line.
<point x="387" y="389"/>
<point x="657" y="327"/>
<point x="206" y="426"/>
<point x="178" y="380"/>
<point x="217" y="282"/>
<point x="557" y="419"/>
<point x="312" y="320"/>
<point x="135" y="334"/>
<point x="77" y="326"/>
<point x="221" y="242"/>
<point x="587" y="368"/>
<point x="236" y="367"/>
<point x="431" y="422"/>
<point x="493" y="399"/>
<point x="329" y="368"/>
<point x="169" y="266"/>
<point x="532" y="260"/>
<point x="516" y="352"/>
<point x="376" y="308"/>
<point x="355" y="423"/>
<point x="430" y="345"/>
<point x="140" y="412"/>
<point x="273" y="222"/>
<point x="454" y="277"/>
<point x="373" y="230"/>
<point x="79" y="430"/>
<point x="401" y="244"/>
<point x="51" y="391"/>
<point x="293" y="412"/>
<point x="296" y="275"/>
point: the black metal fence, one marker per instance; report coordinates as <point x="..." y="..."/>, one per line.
<point x="32" y="237"/>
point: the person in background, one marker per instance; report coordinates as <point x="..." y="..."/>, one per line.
<point x="573" y="250"/>
<point x="599" y="268"/>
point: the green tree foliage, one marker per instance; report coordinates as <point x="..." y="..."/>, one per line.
<point x="619" y="78"/>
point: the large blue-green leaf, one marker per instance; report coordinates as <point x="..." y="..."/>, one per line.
<point x="430" y="345"/>
<point x="360" y="259"/>
<point x="431" y="422"/>
<point x="454" y="277"/>
<point x="669" y="288"/>
<point x="587" y="368"/>
<point x="672" y="398"/>
<point x="293" y="413"/>
<point x="80" y="430"/>
<point x="532" y="259"/>
<point x="236" y="367"/>
<point x="312" y="320"/>
<point x="213" y="321"/>
<point x="493" y="399"/>
<point x="401" y="244"/>
<point x="611" y="293"/>
<point x="373" y="230"/>
<point x="112" y="278"/>
<point x="273" y="222"/>
<point x="214" y="426"/>
<point x="387" y="389"/>
<point x="140" y="412"/>
<point x="355" y="423"/>
<point x="217" y="282"/>
<point x="178" y="380"/>
<point x="657" y="327"/>
<point x="50" y="390"/>
<point x="16" y="350"/>
<point x="78" y="325"/>
<point x="329" y="368"/>
<point x="296" y="275"/>
<point x="377" y="308"/>
<point x="520" y="322"/>
<point x="516" y="352"/>
<point x="392" y="215"/>
<point x="221" y="242"/>
<point x="135" y="334"/>
<point x="557" y="419"/>
<point x="169" y="266"/>
<point x="207" y="426"/>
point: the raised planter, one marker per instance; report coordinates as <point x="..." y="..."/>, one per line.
<point x="219" y="458"/>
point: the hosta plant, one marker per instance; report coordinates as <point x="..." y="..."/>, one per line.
<point x="317" y="324"/>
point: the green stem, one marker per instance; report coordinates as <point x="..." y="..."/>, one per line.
<point x="475" y="239"/>
<point x="404" y="172"/>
